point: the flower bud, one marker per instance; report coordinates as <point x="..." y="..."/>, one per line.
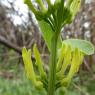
<point x="39" y="62"/>
<point x="76" y="62"/>
<point x="73" y="6"/>
<point x="61" y="55"/>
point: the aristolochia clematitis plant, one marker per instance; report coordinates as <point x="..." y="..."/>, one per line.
<point x="63" y="54"/>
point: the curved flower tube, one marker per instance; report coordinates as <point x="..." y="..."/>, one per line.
<point x="26" y="55"/>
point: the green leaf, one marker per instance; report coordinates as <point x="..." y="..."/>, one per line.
<point x="47" y="33"/>
<point x="83" y="45"/>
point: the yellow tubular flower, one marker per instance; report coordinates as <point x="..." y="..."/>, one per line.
<point x="76" y="62"/>
<point x="67" y="60"/>
<point x="74" y="7"/>
<point x="26" y="55"/>
<point x="39" y="62"/>
<point x="61" y="57"/>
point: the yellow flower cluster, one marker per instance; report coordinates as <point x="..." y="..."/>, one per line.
<point x="67" y="58"/>
<point x="69" y="61"/>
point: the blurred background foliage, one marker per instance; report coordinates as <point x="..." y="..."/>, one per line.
<point x="19" y="28"/>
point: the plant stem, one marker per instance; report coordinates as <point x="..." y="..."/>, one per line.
<point x="49" y="2"/>
<point x="52" y="72"/>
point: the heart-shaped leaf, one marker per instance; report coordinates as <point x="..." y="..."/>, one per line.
<point x="84" y="46"/>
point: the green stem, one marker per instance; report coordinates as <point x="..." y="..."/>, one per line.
<point x="30" y="5"/>
<point x="49" y="2"/>
<point x="52" y="72"/>
<point x="40" y="2"/>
